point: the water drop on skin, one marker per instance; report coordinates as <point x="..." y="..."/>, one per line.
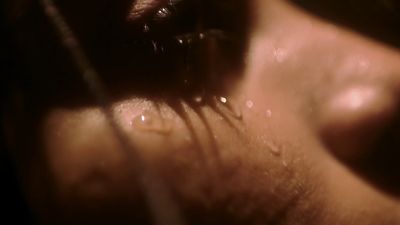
<point x="234" y="110"/>
<point x="180" y="41"/>
<point x="249" y="104"/>
<point x="274" y="148"/>
<point x="201" y="36"/>
<point x="163" y="14"/>
<point x="268" y="113"/>
<point x="150" y="122"/>
<point x="198" y="99"/>
<point x="223" y="100"/>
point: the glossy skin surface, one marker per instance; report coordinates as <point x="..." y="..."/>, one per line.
<point x="313" y="98"/>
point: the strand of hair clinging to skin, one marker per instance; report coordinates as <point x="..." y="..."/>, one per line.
<point x="162" y="207"/>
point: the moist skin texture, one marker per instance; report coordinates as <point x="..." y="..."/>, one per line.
<point x="281" y="163"/>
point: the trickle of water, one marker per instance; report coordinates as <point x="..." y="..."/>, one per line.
<point x="232" y="108"/>
<point x="150" y="122"/>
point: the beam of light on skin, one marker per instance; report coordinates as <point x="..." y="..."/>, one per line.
<point x="164" y="210"/>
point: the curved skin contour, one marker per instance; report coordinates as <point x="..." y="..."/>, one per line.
<point x="308" y="92"/>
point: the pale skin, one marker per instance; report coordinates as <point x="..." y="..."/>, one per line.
<point x="311" y="94"/>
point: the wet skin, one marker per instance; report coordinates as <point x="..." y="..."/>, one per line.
<point x="313" y="98"/>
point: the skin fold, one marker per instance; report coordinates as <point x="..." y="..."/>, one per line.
<point x="313" y="97"/>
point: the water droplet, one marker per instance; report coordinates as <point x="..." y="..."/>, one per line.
<point x="163" y="13"/>
<point x="232" y="108"/>
<point x="198" y="99"/>
<point x="274" y="148"/>
<point x="152" y="123"/>
<point x="280" y="54"/>
<point x="202" y="36"/>
<point x="223" y="100"/>
<point x="180" y="41"/>
<point x="269" y="113"/>
<point x="249" y="104"/>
